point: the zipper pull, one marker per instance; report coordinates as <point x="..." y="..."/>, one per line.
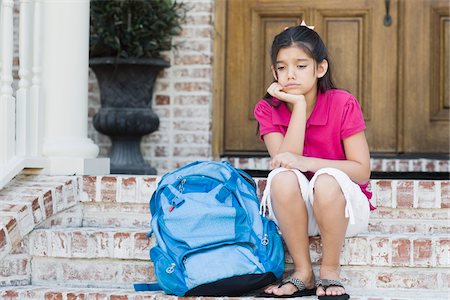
<point x="171" y="208"/>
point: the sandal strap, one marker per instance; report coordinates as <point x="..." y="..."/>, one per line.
<point x="326" y="283"/>
<point x="295" y="281"/>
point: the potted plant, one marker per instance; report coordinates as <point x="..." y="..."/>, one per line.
<point x="126" y="41"/>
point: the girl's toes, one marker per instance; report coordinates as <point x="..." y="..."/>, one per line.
<point x="320" y="291"/>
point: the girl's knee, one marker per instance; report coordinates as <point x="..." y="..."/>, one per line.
<point x="327" y="191"/>
<point x="285" y="186"/>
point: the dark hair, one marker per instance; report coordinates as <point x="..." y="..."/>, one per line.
<point x="310" y="42"/>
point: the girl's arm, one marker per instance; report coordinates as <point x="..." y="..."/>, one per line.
<point x="356" y="166"/>
<point x="294" y="139"/>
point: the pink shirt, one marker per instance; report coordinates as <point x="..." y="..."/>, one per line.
<point x="335" y="117"/>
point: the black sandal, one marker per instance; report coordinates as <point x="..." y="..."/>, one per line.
<point x="300" y="285"/>
<point x="325" y="284"/>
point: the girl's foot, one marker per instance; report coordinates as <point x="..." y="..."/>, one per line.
<point x="289" y="288"/>
<point x="332" y="290"/>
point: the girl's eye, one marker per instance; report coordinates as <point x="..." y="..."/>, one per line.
<point x="301" y="66"/>
<point x="280" y="68"/>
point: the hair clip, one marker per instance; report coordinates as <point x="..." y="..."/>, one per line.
<point x="304" y="24"/>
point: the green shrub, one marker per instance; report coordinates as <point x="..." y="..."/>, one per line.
<point x="124" y="28"/>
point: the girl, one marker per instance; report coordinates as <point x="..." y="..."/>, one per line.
<point x="315" y="137"/>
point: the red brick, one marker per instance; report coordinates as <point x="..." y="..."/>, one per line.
<point x="426" y="194"/>
<point x="405" y="194"/>
<point x="417" y="165"/>
<point x="3" y="240"/>
<point x="162" y="100"/>
<point x="118" y="297"/>
<point x="37" y="210"/>
<point x="192" y="86"/>
<point x="403" y="165"/>
<point x="376" y="165"/>
<point x="142" y="243"/>
<point x="380" y="251"/>
<point x="383" y="194"/>
<point x="48" y="204"/>
<point x="443" y="253"/>
<point x="9" y="295"/>
<point x="90" y="187"/>
<point x="407" y="280"/>
<point x="138" y="273"/>
<point x="53" y="296"/>
<point x="97" y="296"/>
<point x="128" y="189"/>
<point x="401" y="249"/>
<point x="108" y="188"/>
<point x="122" y="245"/>
<point x="444" y="166"/>
<point x="14" y="265"/>
<point x="191" y="100"/>
<point x="201" y="59"/>
<point x="429" y="166"/>
<point x="389" y="165"/>
<point x="73" y="296"/>
<point x="422" y="253"/>
<point x="79" y="244"/>
<point x="445" y="194"/>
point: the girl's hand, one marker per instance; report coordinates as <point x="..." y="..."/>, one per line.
<point x="276" y="90"/>
<point x="291" y="161"/>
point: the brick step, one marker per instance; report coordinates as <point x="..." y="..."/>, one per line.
<point x="136" y="215"/>
<point x="107" y="273"/>
<point x="386" y="193"/>
<point x="54" y="292"/>
<point x="382" y="250"/>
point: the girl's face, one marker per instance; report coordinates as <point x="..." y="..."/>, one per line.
<point x="297" y="72"/>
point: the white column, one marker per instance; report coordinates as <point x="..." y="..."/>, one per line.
<point x="23" y="126"/>
<point x="64" y="83"/>
<point x="7" y="102"/>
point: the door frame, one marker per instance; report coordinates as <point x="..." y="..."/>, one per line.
<point x="218" y="95"/>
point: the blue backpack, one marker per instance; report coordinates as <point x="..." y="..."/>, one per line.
<point x="211" y="239"/>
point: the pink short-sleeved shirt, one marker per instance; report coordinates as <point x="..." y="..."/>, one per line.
<point x="335" y="117"/>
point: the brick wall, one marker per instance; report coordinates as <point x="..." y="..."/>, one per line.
<point x="182" y="97"/>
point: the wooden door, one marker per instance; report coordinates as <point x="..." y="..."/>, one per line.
<point x="368" y="60"/>
<point x="424" y="76"/>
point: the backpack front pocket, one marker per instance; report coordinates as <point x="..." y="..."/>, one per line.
<point x="224" y="261"/>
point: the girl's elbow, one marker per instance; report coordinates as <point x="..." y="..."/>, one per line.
<point x="366" y="176"/>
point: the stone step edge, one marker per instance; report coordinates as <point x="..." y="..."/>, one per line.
<point x="370" y="249"/>
<point x="377" y="164"/>
<point x="27" y="201"/>
<point x="52" y="292"/>
<point x="386" y="193"/>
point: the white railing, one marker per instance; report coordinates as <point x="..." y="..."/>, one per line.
<point x="20" y="116"/>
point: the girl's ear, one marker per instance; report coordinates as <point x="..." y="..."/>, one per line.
<point x="322" y="68"/>
<point x="274" y="73"/>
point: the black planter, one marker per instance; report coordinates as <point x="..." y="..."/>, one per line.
<point x="126" y="89"/>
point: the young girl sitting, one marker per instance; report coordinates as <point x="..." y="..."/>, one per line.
<point x="315" y="136"/>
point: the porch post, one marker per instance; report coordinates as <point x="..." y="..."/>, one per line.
<point x="64" y="82"/>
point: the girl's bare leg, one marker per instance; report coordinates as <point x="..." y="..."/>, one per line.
<point x="329" y="206"/>
<point x="290" y="211"/>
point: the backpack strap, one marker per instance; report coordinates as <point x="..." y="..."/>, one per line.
<point x="144" y="287"/>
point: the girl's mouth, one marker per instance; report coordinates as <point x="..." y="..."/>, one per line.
<point x="292" y="85"/>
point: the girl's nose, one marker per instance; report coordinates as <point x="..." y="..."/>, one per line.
<point x="291" y="73"/>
